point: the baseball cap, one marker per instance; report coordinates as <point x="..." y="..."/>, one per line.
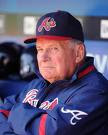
<point x="60" y="25"/>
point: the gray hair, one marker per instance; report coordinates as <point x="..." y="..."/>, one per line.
<point x="77" y="42"/>
<point x="74" y="42"/>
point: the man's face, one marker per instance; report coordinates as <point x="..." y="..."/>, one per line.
<point x="56" y="59"/>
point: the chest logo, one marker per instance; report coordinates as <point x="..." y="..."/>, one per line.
<point x="31" y="99"/>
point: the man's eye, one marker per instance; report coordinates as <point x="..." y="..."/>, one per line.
<point x="55" y="48"/>
<point x="39" y="50"/>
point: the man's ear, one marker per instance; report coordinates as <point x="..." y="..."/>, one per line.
<point x="80" y="53"/>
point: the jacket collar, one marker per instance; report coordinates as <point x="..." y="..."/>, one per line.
<point x="87" y="67"/>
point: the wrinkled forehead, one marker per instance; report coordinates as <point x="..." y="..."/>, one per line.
<point x="50" y="42"/>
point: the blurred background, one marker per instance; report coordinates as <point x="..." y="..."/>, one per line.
<point x="18" y="19"/>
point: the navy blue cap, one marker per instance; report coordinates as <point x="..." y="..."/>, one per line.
<point x="58" y="25"/>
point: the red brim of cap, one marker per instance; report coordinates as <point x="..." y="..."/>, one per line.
<point x="34" y="39"/>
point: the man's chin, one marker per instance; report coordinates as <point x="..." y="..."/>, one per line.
<point x="48" y="77"/>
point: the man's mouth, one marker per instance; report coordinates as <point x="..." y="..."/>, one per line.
<point x="46" y="67"/>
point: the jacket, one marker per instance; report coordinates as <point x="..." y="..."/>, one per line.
<point x="78" y="106"/>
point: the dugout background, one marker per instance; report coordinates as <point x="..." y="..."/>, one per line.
<point x="18" y="20"/>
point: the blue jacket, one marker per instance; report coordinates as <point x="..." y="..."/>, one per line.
<point x="78" y="106"/>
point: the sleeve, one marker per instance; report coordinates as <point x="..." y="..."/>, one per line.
<point x="4" y="113"/>
<point x="71" y="117"/>
<point x="5" y="108"/>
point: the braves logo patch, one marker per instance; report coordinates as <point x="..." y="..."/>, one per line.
<point x="76" y="115"/>
<point x="47" y="24"/>
<point x="31" y="97"/>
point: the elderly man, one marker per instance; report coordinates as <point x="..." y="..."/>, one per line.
<point x="70" y="97"/>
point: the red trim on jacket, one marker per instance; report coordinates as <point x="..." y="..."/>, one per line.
<point x="42" y="124"/>
<point x="5" y="112"/>
<point x="86" y="71"/>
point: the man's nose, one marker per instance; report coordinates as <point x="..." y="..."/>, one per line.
<point x="46" y="55"/>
